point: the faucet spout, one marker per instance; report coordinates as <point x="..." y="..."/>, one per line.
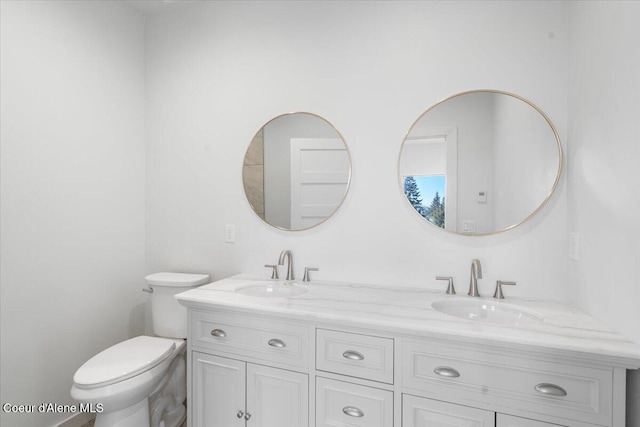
<point x="288" y="256"/>
<point x="476" y="273"/>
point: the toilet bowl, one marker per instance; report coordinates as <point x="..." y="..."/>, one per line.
<point x="141" y="382"/>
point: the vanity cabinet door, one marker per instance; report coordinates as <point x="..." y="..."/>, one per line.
<point x="420" y="412"/>
<point x="218" y="391"/>
<point x="276" y="397"/>
<point x="231" y="393"/>
<point x="503" y="420"/>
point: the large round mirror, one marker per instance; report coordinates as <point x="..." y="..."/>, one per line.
<point x="296" y="171"/>
<point x="480" y="162"/>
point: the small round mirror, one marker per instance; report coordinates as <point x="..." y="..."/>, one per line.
<point x="480" y="162"/>
<point x="296" y="171"/>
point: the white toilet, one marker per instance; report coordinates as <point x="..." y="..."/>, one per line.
<point x="142" y="381"/>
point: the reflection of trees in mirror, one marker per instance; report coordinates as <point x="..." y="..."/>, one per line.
<point x="412" y="192"/>
<point x="435" y="212"/>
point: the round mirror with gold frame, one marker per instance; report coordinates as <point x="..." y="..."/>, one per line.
<point x="296" y="171"/>
<point x="480" y="162"/>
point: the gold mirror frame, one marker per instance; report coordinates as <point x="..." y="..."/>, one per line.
<point x="246" y="179"/>
<point x="517" y="223"/>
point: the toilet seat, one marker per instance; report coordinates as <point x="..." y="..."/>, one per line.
<point x="123" y="361"/>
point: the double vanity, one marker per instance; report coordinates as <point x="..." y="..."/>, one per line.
<point x="266" y="353"/>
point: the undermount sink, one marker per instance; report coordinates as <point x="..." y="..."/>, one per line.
<point x="487" y="312"/>
<point x="269" y="289"/>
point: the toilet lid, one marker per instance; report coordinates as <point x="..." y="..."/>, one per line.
<point x="122" y="361"/>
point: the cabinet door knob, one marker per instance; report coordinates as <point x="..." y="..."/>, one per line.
<point x="352" y="355"/>
<point x="550" y="389"/>
<point x="352" y="411"/>
<point x="240" y="414"/>
<point x="445" y="371"/>
<point x="218" y="333"/>
<point x="247" y="416"/>
<point x="275" y="342"/>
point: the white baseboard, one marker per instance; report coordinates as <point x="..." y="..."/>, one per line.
<point x="78" y="420"/>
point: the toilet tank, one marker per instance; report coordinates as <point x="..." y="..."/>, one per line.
<point x="168" y="316"/>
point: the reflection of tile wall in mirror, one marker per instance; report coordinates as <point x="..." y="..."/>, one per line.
<point x="253" y="174"/>
<point x="255" y="152"/>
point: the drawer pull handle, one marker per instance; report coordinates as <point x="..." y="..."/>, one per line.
<point x="218" y="333"/>
<point x="247" y="416"/>
<point x="240" y="414"/>
<point x="275" y="342"/>
<point x="352" y="411"/>
<point x="352" y="355"/>
<point x="445" y="371"/>
<point x="550" y="389"/>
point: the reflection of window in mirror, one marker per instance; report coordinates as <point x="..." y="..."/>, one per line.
<point x="426" y="193"/>
<point x="429" y="156"/>
<point x="500" y="155"/>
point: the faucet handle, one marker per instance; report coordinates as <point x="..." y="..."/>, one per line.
<point x="498" y="293"/>
<point x="274" y="271"/>
<point x="306" y="277"/>
<point x="450" y="289"/>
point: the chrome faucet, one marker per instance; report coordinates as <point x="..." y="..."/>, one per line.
<point x="289" y="256"/>
<point x="476" y="273"/>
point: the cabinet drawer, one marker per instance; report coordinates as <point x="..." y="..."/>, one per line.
<point x="344" y="404"/>
<point x="509" y="421"/>
<point x="356" y="355"/>
<point x="533" y="385"/>
<point x="253" y="337"/>
<point x="420" y="412"/>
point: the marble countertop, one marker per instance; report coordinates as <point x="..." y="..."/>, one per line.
<point x="564" y="328"/>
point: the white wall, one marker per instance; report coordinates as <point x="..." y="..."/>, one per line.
<point x="72" y="177"/>
<point x="217" y="71"/>
<point x="603" y="174"/>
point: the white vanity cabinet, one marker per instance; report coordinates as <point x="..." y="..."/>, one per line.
<point x="231" y="382"/>
<point x="340" y="403"/>
<point x="530" y="383"/>
<point x="314" y="363"/>
<point x="212" y="404"/>
<point x="230" y="392"/>
<point x="421" y="412"/>
<point x="354" y="357"/>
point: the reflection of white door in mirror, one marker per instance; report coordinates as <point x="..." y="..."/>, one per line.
<point x="319" y="178"/>
<point x="433" y="152"/>
<point x="322" y="171"/>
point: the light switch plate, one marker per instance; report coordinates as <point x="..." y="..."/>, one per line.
<point x="230" y="233"/>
